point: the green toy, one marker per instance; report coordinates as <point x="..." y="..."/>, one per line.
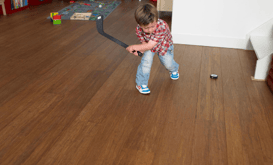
<point x="57" y="22"/>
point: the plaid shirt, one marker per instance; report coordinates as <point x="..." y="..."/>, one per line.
<point x="161" y="35"/>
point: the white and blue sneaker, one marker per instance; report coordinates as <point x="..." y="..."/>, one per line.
<point x="174" y="75"/>
<point x="143" y="89"/>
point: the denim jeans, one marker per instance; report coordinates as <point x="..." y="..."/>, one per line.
<point x="144" y="68"/>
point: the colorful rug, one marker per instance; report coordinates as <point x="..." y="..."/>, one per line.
<point x="95" y="7"/>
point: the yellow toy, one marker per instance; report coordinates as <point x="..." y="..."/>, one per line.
<point x="53" y="14"/>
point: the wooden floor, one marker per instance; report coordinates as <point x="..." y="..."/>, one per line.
<point x="67" y="96"/>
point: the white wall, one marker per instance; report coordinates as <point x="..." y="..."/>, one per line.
<point x="218" y="23"/>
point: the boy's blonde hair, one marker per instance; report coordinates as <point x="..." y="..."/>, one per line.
<point x="146" y="14"/>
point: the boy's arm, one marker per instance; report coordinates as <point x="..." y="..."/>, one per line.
<point x="159" y="36"/>
<point x="145" y="46"/>
<point x="141" y="47"/>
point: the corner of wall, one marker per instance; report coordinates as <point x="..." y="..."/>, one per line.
<point x="248" y="43"/>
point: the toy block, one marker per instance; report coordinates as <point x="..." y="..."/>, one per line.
<point x="52" y="14"/>
<point x="57" y="20"/>
<point x="57" y="17"/>
<point x="80" y="16"/>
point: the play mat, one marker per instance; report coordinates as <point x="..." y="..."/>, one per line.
<point x="88" y="6"/>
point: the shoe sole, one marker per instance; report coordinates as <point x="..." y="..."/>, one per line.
<point x="175" y="78"/>
<point x="142" y="92"/>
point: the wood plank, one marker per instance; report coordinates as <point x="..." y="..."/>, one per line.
<point x="241" y="125"/>
<point x="101" y="120"/>
<point x="210" y="137"/>
<point x="14" y="86"/>
<point x="175" y="144"/>
<point x="262" y="113"/>
<point x="17" y="140"/>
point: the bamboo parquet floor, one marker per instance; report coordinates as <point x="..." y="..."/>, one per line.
<point x="67" y="96"/>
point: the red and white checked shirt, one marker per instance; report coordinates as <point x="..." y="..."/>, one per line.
<point x="162" y="35"/>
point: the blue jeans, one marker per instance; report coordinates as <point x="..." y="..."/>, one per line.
<point x="144" y="68"/>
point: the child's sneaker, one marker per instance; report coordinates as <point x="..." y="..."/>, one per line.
<point x="174" y="75"/>
<point x="143" y="89"/>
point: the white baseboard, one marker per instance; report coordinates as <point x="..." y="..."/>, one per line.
<point x="236" y="43"/>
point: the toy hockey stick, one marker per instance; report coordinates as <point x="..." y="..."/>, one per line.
<point x="99" y="22"/>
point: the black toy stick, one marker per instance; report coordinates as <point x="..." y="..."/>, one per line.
<point x="99" y="23"/>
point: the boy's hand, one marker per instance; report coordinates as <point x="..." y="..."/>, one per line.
<point x="130" y="49"/>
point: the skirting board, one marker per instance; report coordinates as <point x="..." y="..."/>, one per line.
<point x="224" y="42"/>
<point x="253" y="79"/>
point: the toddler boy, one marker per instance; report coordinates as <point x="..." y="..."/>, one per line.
<point x="155" y="37"/>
